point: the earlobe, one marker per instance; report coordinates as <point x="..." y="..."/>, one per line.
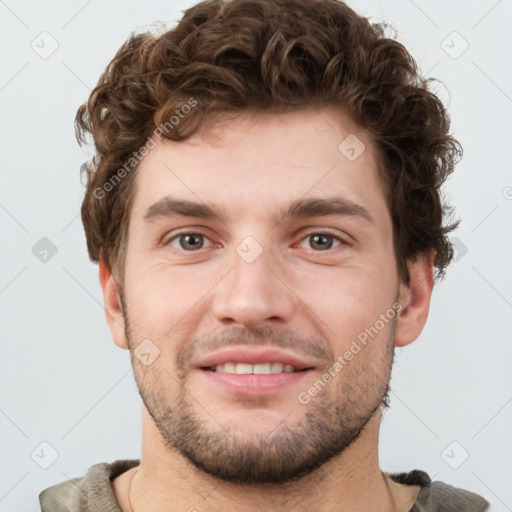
<point x="113" y="307"/>
<point x="415" y="300"/>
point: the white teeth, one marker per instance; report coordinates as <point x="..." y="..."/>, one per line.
<point x="257" y="369"/>
<point x="261" y="369"/>
<point x="228" y="368"/>
<point x="276" y="368"/>
<point x="243" y="368"/>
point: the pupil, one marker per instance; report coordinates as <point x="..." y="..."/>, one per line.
<point x="317" y="238"/>
<point x="188" y="239"/>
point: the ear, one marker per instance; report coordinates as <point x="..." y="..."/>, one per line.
<point x="113" y="309"/>
<point x="415" y="300"/>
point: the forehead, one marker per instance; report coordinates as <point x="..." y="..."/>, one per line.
<point x="256" y="163"/>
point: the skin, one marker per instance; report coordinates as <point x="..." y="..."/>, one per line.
<point x="248" y="168"/>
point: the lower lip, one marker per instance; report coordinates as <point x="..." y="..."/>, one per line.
<point x="253" y="384"/>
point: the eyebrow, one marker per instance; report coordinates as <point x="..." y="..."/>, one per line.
<point x="300" y="208"/>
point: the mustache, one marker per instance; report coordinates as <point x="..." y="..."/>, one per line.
<point x="264" y="336"/>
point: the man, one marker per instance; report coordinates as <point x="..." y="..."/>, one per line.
<point x="300" y="154"/>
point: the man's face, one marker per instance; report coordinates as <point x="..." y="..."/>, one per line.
<point x="226" y="299"/>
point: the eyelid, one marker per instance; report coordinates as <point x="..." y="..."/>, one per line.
<point x="169" y="237"/>
<point x="166" y="240"/>
<point x="342" y="239"/>
<point x="320" y="230"/>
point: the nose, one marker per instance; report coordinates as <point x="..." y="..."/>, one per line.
<point x="254" y="292"/>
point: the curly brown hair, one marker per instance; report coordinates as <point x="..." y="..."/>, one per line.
<point x="233" y="55"/>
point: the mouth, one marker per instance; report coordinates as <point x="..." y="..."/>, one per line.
<point x="252" y="371"/>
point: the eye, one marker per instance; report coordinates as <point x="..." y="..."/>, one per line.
<point x="322" y="241"/>
<point x="188" y="241"/>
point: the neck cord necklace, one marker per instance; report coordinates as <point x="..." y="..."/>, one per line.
<point x="129" y="490"/>
<point x="389" y="492"/>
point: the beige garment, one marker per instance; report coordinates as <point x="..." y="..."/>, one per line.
<point x="94" y="493"/>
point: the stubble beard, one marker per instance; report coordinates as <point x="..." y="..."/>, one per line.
<point x="285" y="454"/>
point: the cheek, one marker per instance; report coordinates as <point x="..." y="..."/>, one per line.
<point x="164" y="300"/>
<point x="352" y="296"/>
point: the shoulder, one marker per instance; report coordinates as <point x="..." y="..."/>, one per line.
<point x="92" y="492"/>
<point x="445" y="497"/>
<point x="439" y="496"/>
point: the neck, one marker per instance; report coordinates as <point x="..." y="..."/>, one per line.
<point x="351" y="482"/>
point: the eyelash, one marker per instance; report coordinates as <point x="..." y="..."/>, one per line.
<point x="305" y="237"/>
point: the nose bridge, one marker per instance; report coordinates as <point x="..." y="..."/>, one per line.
<point x="253" y="293"/>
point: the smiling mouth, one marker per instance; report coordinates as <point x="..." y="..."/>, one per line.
<point x="254" y="369"/>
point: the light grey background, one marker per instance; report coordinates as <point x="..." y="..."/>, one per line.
<point x="62" y="379"/>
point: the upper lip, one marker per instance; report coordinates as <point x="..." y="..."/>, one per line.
<point x="253" y="355"/>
